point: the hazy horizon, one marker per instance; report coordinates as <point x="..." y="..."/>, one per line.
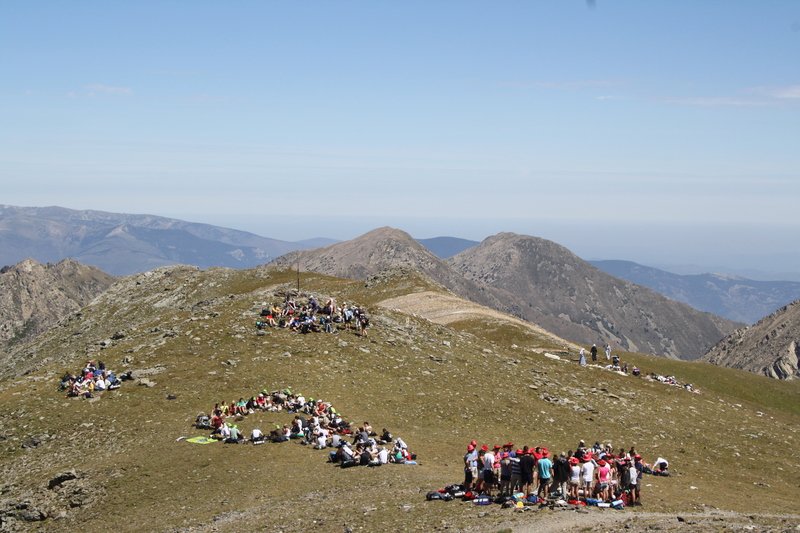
<point x="662" y="133"/>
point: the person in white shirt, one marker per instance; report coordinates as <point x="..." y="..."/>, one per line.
<point x="322" y="438"/>
<point x="383" y="456"/>
<point x="574" y="477"/>
<point x="488" y="472"/>
<point x="633" y="472"/>
<point x="256" y="436"/>
<point x="587" y="472"/>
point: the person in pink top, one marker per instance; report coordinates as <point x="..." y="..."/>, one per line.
<point x="603" y="479"/>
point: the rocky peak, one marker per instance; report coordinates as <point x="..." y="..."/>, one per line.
<point x="771" y="346"/>
<point x="34" y="297"/>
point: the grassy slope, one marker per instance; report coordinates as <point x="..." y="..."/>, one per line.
<point x="717" y="441"/>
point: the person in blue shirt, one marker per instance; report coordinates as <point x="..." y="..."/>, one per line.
<point x="545" y="467"/>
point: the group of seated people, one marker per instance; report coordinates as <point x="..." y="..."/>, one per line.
<point x="322" y="427"/>
<point x="594" y="475"/>
<point x="618" y="366"/>
<point x="311" y="317"/>
<point x="364" y="451"/>
<point x="90" y="380"/>
<point x="670" y="380"/>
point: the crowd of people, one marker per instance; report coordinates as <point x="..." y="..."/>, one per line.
<point x="322" y="427"/>
<point x="614" y="363"/>
<point x="313" y="317"/>
<point x="92" y="379"/>
<point x="596" y="475"/>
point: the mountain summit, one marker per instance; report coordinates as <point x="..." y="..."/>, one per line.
<point x="387" y="249"/>
<point x="537" y="280"/>
<point x="547" y="284"/>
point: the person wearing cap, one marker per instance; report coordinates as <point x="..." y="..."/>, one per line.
<point x="508" y="448"/>
<point x="574" y="477"/>
<point x="603" y="473"/>
<point x="498" y="457"/>
<point x="515" y="483"/>
<point x="505" y="473"/>
<point x="526" y="466"/>
<point x="470" y="467"/>
<point x="488" y="470"/>
<point x="544" y="467"/>
<point x="587" y="473"/>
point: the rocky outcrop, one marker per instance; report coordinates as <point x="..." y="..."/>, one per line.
<point x="34" y="297"/>
<point x="770" y="347"/>
<point x="67" y="493"/>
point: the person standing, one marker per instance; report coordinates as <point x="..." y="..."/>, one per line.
<point x="635" y="480"/>
<point x="587" y="472"/>
<point x="526" y="464"/>
<point x="561" y="474"/>
<point x="470" y="466"/>
<point x="545" y="469"/>
<point x="582" y="359"/>
<point x="594" y="352"/>
<point x="608" y="352"/>
<point x="488" y="470"/>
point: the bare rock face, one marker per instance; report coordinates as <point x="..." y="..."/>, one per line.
<point x="34" y="297"/>
<point x="770" y="346"/>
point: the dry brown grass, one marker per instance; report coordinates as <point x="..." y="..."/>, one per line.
<point x="436" y="385"/>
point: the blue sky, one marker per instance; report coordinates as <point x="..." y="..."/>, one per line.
<point x="662" y="132"/>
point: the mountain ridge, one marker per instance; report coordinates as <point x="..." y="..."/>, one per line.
<point x="558" y="290"/>
<point x="123" y="244"/>
<point x="733" y="297"/>
<point x="771" y="346"/>
<point x="34" y="297"/>
<point x="388" y="247"/>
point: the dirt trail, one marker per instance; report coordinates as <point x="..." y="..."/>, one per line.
<point x="445" y="309"/>
<point x="595" y="520"/>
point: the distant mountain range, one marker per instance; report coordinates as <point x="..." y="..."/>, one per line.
<point x="123" y="244"/>
<point x="537" y="280"/>
<point x="447" y="247"/>
<point x="735" y="298"/>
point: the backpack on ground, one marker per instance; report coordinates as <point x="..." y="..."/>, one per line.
<point x="482" y="500"/>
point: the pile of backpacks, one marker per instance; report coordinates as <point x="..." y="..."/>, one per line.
<point x="519" y="500"/>
<point x="452" y="492"/>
